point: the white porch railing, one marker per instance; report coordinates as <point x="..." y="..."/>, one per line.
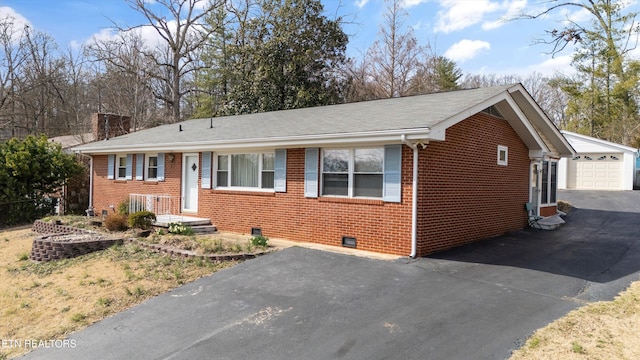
<point x="156" y="203"/>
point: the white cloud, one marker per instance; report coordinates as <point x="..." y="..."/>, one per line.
<point x="410" y="3"/>
<point x="147" y="33"/>
<point x="554" y="65"/>
<point x="466" y="50"/>
<point x="7" y="12"/>
<point x="458" y="15"/>
<point x="361" y="3"/>
<point x="514" y="8"/>
<point x="19" y="21"/>
<point x="575" y="16"/>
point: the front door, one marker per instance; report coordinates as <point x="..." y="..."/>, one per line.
<point x="190" y="183"/>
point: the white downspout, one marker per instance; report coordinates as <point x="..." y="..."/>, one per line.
<point x="90" y="182"/>
<point x="414" y="197"/>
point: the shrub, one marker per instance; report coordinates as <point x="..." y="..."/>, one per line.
<point x="259" y="240"/>
<point x="142" y="219"/>
<point x="115" y="222"/>
<point x="180" y="229"/>
<point x="123" y="207"/>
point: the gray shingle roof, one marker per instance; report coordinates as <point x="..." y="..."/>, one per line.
<point x="378" y="116"/>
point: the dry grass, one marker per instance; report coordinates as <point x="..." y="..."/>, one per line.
<point x="46" y="301"/>
<point x="603" y="330"/>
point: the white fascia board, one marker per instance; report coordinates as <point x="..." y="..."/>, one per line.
<point x="545" y="121"/>
<point x="466" y="113"/>
<point x="536" y="154"/>
<point x="438" y="131"/>
<point x="348" y="139"/>
<point x="616" y="146"/>
<point x="527" y="124"/>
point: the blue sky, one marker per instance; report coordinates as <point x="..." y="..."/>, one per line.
<point x="473" y="33"/>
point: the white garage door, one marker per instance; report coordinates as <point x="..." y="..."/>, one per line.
<point x="595" y="171"/>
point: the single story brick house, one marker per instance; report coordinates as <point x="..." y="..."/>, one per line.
<point x="406" y="176"/>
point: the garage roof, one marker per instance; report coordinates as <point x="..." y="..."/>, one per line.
<point x="587" y="144"/>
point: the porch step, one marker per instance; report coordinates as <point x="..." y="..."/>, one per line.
<point x="551" y="222"/>
<point x="205" y="229"/>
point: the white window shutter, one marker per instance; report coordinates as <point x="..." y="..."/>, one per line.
<point x="311" y="172"/>
<point x="129" y="174"/>
<point x="280" y="171"/>
<point x="139" y="166"/>
<point x="111" y="166"/>
<point x="206" y="170"/>
<point x="392" y="178"/>
<point x="160" y="166"/>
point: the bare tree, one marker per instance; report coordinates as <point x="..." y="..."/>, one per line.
<point x="546" y="91"/>
<point x="183" y="32"/>
<point x="126" y="79"/>
<point x="393" y="58"/>
<point x="607" y="91"/>
<point x="79" y="101"/>
<point x="12" y="56"/>
<point x="41" y="81"/>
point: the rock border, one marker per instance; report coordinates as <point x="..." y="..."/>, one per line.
<point x="188" y="254"/>
<point x="45" y="248"/>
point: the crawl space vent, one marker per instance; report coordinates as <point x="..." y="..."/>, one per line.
<point x="349" y="242"/>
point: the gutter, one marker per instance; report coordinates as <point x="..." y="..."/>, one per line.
<point x="116" y="145"/>
<point x="414" y="194"/>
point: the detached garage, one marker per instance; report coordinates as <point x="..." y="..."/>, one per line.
<point x="598" y="165"/>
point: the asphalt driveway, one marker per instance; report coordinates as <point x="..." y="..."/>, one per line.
<point x="475" y="302"/>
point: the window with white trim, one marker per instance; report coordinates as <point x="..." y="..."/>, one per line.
<point x="121" y="167"/>
<point x="151" y="167"/>
<point x="254" y="170"/>
<point x="353" y="172"/>
<point x="503" y="155"/>
<point x="549" y="184"/>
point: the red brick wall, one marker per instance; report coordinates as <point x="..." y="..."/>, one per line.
<point x="548" y="210"/>
<point x="464" y="194"/>
<point x="376" y="225"/>
<point x="113" y="192"/>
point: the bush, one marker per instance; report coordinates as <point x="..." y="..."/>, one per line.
<point x="142" y="219"/>
<point x="115" y="222"/>
<point x="260" y="241"/>
<point x="123" y="207"/>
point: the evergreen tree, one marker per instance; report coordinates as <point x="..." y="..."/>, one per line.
<point x="604" y="94"/>
<point x="31" y="170"/>
<point x="273" y="55"/>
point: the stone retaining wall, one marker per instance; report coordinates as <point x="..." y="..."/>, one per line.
<point x="42" y="227"/>
<point x="45" y="248"/>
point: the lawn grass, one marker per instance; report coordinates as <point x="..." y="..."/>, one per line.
<point x="602" y="330"/>
<point x="50" y="300"/>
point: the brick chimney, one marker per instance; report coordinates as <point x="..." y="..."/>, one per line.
<point x="106" y="126"/>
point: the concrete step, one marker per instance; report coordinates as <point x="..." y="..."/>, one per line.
<point x="204" y="229"/>
<point x="551" y="222"/>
